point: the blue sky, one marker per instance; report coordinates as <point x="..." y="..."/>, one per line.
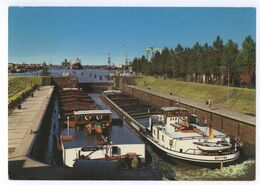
<point x="53" y="33"/>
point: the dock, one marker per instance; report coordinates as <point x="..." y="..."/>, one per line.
<point x="22" y="125"/>
<point x="251" y="120"/>
<point x="22" y="121"/>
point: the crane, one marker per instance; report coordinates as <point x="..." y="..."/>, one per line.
<point x="151" y="49"/>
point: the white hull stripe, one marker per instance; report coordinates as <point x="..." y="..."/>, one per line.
<point x="192" y="157"/>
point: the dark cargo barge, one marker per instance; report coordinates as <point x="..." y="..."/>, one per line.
<point x="87" y="133"/>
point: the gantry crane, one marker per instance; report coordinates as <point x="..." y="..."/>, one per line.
<point x="151" y="49"/>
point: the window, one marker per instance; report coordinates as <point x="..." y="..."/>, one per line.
<point x="162" y="137"/>
<point x="116" y="150"/>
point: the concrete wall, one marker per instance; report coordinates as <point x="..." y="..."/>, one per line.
<point x="65" y="81"/>
<point x="60" y="81"/>
<point x="244" y="131"/>
<point x="95" y="87"/>
<point x="46" y="80"/>
<point x="41" y="142"/>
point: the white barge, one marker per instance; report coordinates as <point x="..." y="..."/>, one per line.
<point x="181" y="137"/>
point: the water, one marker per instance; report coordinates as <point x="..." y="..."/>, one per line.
<point x="28" y="73"/>
<point x="55" y="130"/>
<point x="242" y="171"/>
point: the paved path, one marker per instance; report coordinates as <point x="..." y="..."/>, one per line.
<point x="22" y="121"/>
<point x="214" y="109"/>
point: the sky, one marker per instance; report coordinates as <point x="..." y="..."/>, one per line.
<point x="51" y="34"/>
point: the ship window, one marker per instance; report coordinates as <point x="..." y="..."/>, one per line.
<point x="162" y="137"/>
<point x="181" y="150"/>
<point x="116" y="150"/>
<point x="154" y="131"/>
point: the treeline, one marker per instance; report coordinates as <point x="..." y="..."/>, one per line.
<point x="204" y="63"/>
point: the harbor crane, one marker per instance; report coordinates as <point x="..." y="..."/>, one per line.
<point x="151" y="49"/>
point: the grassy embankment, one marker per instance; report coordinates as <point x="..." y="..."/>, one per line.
<point x="240" y="99"/>
<point x="18" y="85"/>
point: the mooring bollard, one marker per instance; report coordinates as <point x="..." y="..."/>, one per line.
<point x="19" y="106"/>
<point x="221" y="164"/>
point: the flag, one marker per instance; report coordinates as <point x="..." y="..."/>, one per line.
<point x="211" y="136"/>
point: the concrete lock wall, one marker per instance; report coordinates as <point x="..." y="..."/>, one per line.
<point x="41" y="141"/>
<point x="95" y="87"/>
<point x="235" y="128"/>
<point x="60" y="81"/>
<point x="65" y="82"/>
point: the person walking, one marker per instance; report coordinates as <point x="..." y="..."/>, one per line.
<point x="209" y="103"/>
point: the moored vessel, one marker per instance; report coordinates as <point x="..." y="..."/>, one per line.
<point x="181" y="136"/>
<point x="87" y="132"/>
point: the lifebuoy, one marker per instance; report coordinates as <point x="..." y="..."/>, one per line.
<point x="99" y="117"/>
<point x="87" y="117"/>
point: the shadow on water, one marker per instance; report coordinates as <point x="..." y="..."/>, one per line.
<point x="52" y="153"/>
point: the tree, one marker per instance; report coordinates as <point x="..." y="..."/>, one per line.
<point x="208" y="62"/>
<point x="247" y="58"/>
<point x="199" y="60"/>
<point x="230" y="61"/>
<point x="218" y="48"/>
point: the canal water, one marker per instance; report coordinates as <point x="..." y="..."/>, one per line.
<point x="28" y="73"/>
<point x="50" y="154"/>
<point x="244" y="169"/>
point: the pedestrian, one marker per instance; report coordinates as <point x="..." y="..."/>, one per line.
<point x="209" y="103"/>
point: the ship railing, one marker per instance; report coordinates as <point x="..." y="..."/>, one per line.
<point x="195" y="137"/>
<point x="195" y="151"/>
<point x="199" y="152"/>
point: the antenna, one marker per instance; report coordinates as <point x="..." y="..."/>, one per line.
<point x="152" y="50"/>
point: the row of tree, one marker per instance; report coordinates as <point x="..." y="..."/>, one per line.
<point x="206" y="63"/>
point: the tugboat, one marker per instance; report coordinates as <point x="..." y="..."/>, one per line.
<point x="181" y="136"/>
